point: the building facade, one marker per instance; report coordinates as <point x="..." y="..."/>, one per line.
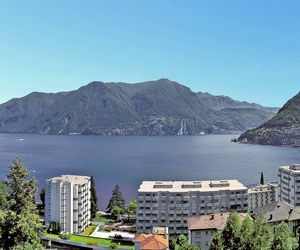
<point x="67" y="202"/>
<point x="202" y="228"/>
<point x="169" y="204"/>
<point x="289" y="184"/>
<point x="278" y="212"/>
<point x="262" y="195"/>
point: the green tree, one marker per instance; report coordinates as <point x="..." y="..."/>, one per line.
<point x="230" y="233"/>
<point x="3" y="195"/>
<point x="181" y="243"/>
<point x="262" y="180"/>
<point x="246" y="233"/>
<point x="131" y="209"/>
<point x="116" y="200"/>
<point x="217" y="241"/>
<point x="117" y="211"/>
<point x="262" y="234"/>
<point x="94" y="199"/>
<point x="42" y="196"/>
<point x="20" y="225"/>
<point x="282" y="238"/>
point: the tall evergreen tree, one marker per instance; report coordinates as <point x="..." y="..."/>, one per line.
<point x="3" y="195"/>
<point x="282" y="238"/>
<point x="94" y="199"/>
<point x="116" y="200"/>
<point x="246" y="233"/>
<point x="262" y="180"/>
<point x="262" y="234"/>
<point x="230" y="233"/>
<point x="217" y="241"/>
<point x="20" y="227"/>
<point x="42" y="196"/>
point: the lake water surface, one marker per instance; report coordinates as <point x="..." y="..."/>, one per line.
<point x="128" y="160"/>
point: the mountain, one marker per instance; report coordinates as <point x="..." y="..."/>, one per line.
<point x="222" y="102"/>
<point x="161" y="107"/>
<point x="282" y="129"/>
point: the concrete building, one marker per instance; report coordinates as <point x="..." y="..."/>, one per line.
<point x="202" y="228"/>
<point x="169" y="204"/>
<point x="262" y="195"/>
<point x="278" y="212"/>
<point x="289" y="184"/>
<point x="67" y="202"/>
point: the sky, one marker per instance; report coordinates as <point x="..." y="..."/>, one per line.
<point x="248" y="50"/>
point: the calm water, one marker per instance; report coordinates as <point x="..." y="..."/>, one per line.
<point x="129" y="160"/>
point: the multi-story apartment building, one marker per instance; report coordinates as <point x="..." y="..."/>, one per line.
<point x="169" y="204"/>
<point x="67" y="202"/>
<point x="289" y="184"/>
<point x="262" y="195"/>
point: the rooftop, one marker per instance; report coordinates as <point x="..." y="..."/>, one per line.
<point x="278" y="211"/>
<point x="186" y="186"/>
<point x="149" y="242"/>
<point x="215" y="221"/>
<point x="76" y="179"/>
<point x="263" y="188"/>
<point x="292" y="167"/>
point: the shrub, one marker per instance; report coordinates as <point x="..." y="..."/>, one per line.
<point x="64" y="236"/>
<point x="113" y="245"/>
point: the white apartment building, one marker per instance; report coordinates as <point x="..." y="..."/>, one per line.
<point x="68" y="202"/>
<point x="169" y="204"/>
<point x="262" y="195"/>
<point x="289" y="184"/>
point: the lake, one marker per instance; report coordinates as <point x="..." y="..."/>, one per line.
<point x="128" y="160"/>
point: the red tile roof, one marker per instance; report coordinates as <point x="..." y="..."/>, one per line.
<point x="151" y="242"/>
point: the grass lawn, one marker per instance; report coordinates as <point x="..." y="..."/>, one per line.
<point x="89" y="230"/>
<point x="91" y="241"/>
<point x="103" y="218"/>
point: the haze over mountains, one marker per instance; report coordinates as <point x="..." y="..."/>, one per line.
<point x="282" y="129"/>
<point x="161" y="107"/>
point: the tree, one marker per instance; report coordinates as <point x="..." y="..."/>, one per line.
<point x="217" y="241"/>
<point x="181" y="243"/>
<point x="262" y="234"/>
<point x="283" y="239"/>
<point x="94" y="199"/>
<point x="42" y="196"/>
<point x="230" y="233"/>
<point x="117" y="211"/>
<point x="20" y="226"/>
<point x="116" y="200"/>
<point x="131" y="209"/>
<point x="262" y="181"/>
<point x="246" y="233"/>
<point x="3" y="195"/>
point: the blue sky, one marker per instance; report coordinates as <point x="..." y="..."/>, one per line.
<point x="249" y="50"/>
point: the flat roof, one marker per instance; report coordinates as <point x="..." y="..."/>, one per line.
<point x="76" y="179"/>
<point x="262" y="188"/>
<point x="292" y="167"/>
<point x="187" y="186"/>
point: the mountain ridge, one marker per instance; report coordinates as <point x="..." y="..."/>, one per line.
<point x="160" y="107"/>
<point x="282" y="129"/>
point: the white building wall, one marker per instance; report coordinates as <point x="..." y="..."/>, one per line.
<point x="289" y="184"/>
<point x="68" y="203"/>
<point x="201" y="238"/>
